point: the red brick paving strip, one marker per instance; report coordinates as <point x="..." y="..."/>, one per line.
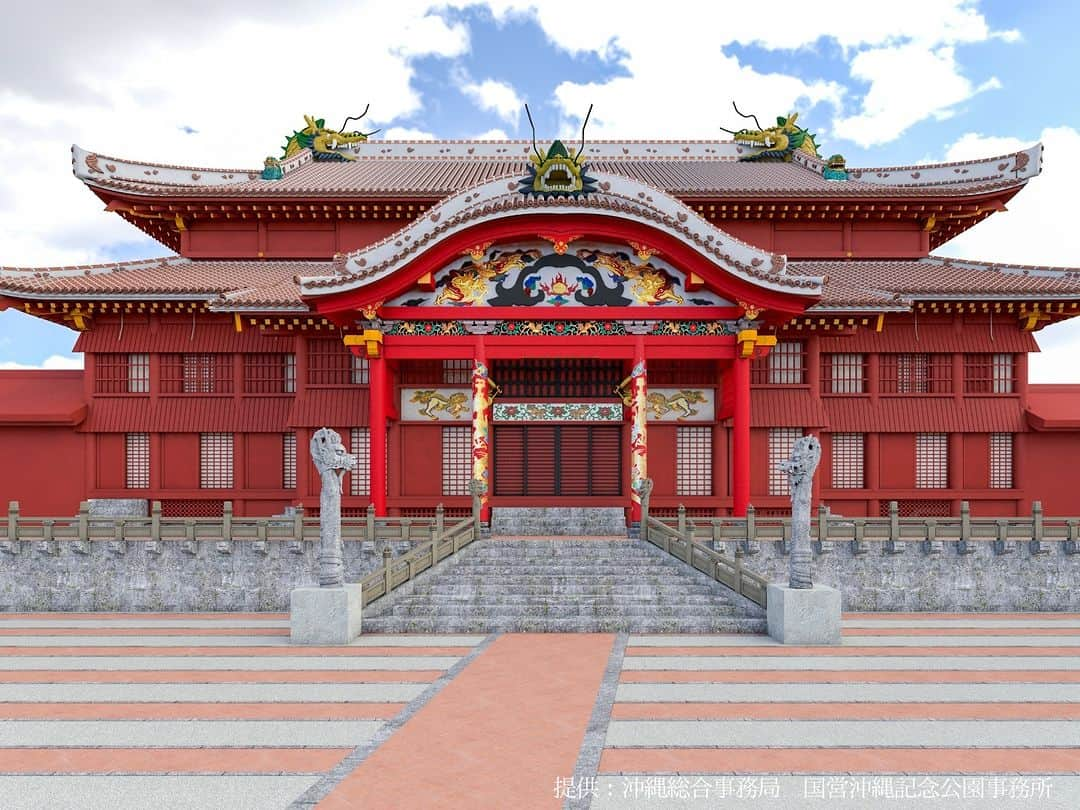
<point x="144" y="631"/>
<point x="59" y="616"/>
<point x="848" y="760"/>
<point x="170" y="760"/>
<point x="232" y="652"/>
<point x="497" y="736"/>
<point x="845" y="711"/>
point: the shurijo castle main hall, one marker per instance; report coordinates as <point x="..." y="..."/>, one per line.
<point x="560" y="320"/>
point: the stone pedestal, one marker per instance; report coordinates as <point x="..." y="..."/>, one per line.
<point x="804" y="616"/>
<point x="324" y="616"/>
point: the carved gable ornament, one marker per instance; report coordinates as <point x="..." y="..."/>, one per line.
<point x="540" y="273"/>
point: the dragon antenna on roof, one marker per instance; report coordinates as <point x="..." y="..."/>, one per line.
<point x="581" y="150"/>
<point x="357" y="118"/>
<point x="756" y="122"/>
<point x="531" y="124"/>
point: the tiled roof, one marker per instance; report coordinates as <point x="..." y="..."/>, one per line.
<point x="167" y="277"/>
<point x="897" y="415"/>
<point x="1053" y="407"/>
<point x="435" y="169"/>
<point x="271" y="285"/>
<point x="852" y="284"/>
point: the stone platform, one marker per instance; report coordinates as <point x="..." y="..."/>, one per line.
<point x="554" y="521"/>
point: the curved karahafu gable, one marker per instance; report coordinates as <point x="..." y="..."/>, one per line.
<point x="618" y="201"/>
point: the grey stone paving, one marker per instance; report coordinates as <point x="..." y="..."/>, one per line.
<point x="849" y="692"/>
<point x="862" y="641"/>
<point x="211" y="692"/>
<point x="184" y="733"/>
<point x="180" y="792"/>
<point x="352" y="663"/>
<point x="976" y="620"/>
<point x="592" y="746"/>
<point x="852" y="662"/>
<point x="843" y="733"/>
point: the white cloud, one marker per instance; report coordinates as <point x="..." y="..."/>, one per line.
<point x="407" y="134"/>
<point x="890" y="106"/>
<point x="496" y="97"/>
<point x="491" y="135"/>
<point x="55" y="361"/>
<point x="123" y="98"/>
<point x="1037" y="228"/>
<point x="679" y="80"/>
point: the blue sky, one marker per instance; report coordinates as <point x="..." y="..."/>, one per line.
<point x="883" y="84"/>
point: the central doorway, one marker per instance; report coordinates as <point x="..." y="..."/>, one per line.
<point x="558" y="460"/>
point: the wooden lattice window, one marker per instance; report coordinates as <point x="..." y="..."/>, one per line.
<point x="269" y="373"/>
<point x="988" y="374"/>
<point x="196" y="374"/>
<point x="191" y="508"/>
<point x="288" y="461"/>
<point x="360" y="447"/>
<point x="1001" y="460"/>
<point x="121" y="373"/>
<point x="931" y="460"/>
<point x="215" y="460"/>
<point x="784" y="365"/>
<point x="330" y="363"/>
<point x="848" y="461"/>
<point x="916" y="373"/>
<point x="456" y="460"/>
<point x="137" y="460"/>
<point x="693" y="459"/>
<point x="918" y="507"/>
<point x="558" y="378"/>
<point x="843" y="373"/>
<point x="457" y="372"/>
<point x="781" y="443"/>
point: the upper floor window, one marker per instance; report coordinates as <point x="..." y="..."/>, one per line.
<point x="122" y="373"/>
<point x="916" y="373"/>
<point x="843" y="374"/>
<point x="988" y="374"/>
<point x="196" y="374"/>
<point x="269" y="373"/>
<point x="784" y="365"/>
<point x="331" y="363"/>
<point x="457" y="372"/>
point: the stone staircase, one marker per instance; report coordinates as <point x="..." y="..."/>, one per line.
<point x="541" y="521"/>
<point x="563" y="586"/>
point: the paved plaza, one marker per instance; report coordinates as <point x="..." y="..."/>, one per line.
<point x="218" y="710"/>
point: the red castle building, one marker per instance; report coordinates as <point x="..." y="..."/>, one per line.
<point x="558" y="324"/>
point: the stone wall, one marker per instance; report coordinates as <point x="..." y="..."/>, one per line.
<point x="921" y="577"/>
<point x="251" y="575"/>
<point x="134" y="575"/>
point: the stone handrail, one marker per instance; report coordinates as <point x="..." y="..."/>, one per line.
<point x="397" y="571"/>
<point x="893" y="531"/>
<point x="86" y="528"/>
<point x="726" y="570"/>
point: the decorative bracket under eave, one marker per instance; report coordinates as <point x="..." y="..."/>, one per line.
<point x="749" y="341"/>
<point x="1030" y="319"/>
<point x="370" y="341"/>
<point x="79" y="319"/>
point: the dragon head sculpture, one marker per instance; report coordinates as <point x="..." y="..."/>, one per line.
<point x="560" y="173"/>
<point x="775" y="143"/>
<point x="325" y="143"/>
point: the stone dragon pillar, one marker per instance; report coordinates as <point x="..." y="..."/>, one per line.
<point x="800" y="468"/>
<point x="332" y="461"/>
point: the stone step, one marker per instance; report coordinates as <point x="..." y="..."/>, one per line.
<point x="572" y="582"/>
<point x="559" y="520"/>
<point x="438" y="590"/>
<point x="489" y="599"/>
<point x="580" y="624"/>
<point x="555" y="610"/>
<point x="527" y="569"/>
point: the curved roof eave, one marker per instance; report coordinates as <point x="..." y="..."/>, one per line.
<point x="617" y="197"/>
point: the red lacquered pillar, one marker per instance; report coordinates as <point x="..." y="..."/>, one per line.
<point x="377" y="381"/>
<point x="740" y="437"/>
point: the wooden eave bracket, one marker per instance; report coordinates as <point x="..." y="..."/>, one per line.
<point x="749" y="341"/>
<point x="369" y="343"/>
